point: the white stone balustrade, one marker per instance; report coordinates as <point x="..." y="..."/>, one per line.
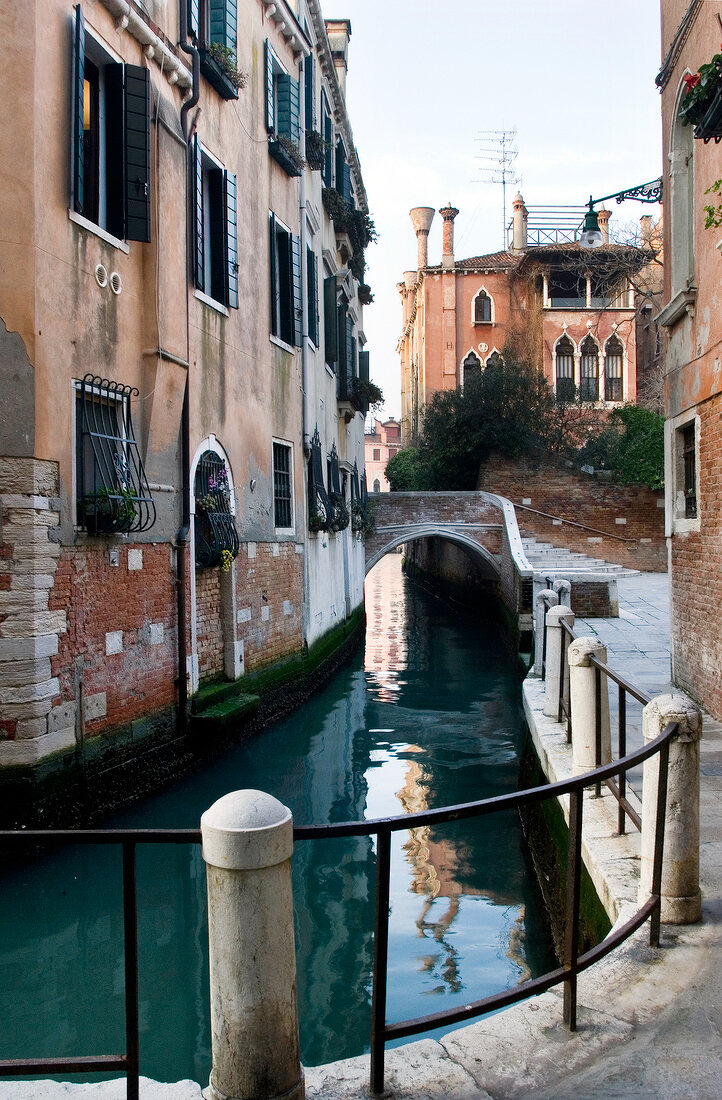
<point x="556" y="638"/>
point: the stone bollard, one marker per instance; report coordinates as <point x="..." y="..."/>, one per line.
<point x="681" y="897"/>
<point x="555" y="640"/>
<point x="540" y="626"/>
<point x="583" y="695"/>
<point x="563" y="589"/>
<point x="247" y="845"/>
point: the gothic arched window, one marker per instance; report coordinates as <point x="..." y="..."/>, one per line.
<point x="565" y="369"/>
<point x="589" y="370"/>
<point x="613" y="363"/>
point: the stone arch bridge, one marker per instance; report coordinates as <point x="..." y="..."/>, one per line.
<point x="484" y="524"/>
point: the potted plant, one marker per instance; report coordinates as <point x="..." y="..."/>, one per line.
<point x="218" y="65"/>
<point x="315" y="150"/>
<point x="702" y="101"/>
<point x="285" y="153"/>
<point x="109" y="510"/>
<point x="340" y="518"/>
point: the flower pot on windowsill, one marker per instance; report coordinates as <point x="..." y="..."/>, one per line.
<point x="285" y="153"/>
<point x="315" y="147"/>
<point x="711" y="125"/>
<point x="216" y="75"/>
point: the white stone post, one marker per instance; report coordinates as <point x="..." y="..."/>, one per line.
<point x="555" y="640"/>
<point x="247" y="845"/>
<point x="546" y="594"/>
<point x="563" y="589"/>
<point x="681" y="897"/>
<point x="583" y="695"/>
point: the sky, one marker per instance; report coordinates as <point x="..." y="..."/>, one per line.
<point x="575" y="78"/>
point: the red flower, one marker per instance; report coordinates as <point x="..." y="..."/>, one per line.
<point x="691" y="80"/>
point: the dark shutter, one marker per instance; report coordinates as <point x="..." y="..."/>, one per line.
<point x="350" y="350"/>
<point x="198" y="243"/>
<point x="296" y="296"/>
<point x="231" y="240"/>
<point x="270" y="111"/>
<point x="230" y="29"/>
<point x="309" y="83"/>
<point x="193" y="20"/>
<point x="328" y="149"/>
<point x="288" y="108"/>
<point x="312" y="283"/>
<point x="222" y="23"/>
<point x="341" y="312"/>
<point x="346" y="184"/>
<point x="216" y="220"/>
<point x="340" y="162"/>
<point x="78" y="142"/>
<point x="330" y="327"/>
<point x="114" y="151"/>
<point x="137" y="153"/>
<point x="274" y="276"/>
<point x="363" y="366"/>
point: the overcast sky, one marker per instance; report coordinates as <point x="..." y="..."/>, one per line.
<point x="426" y="79"/>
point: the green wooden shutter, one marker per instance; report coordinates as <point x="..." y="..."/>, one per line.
<point x="330" y="326"/>
<point x="274" y="275"/>
<point x="231" y="240"/>
<point x="328" y="149"/>
<point x="363" y="366"/>
<point x="137" y="153"/>
<point x="296" y="296"/>
<point x="114" y="151"/>
<point x="312" y="283"/>
<point x="341" y="315"/>
<point x="198" y="242"/>
<point x="78" y="136"/>
<point x="193" y="18"/>
<point x="288" y="108"/>
<point x="340" y="162"/>
<point x="309" y="83"/>
<point x="346" y="186"/>
<point x="231" y="26"/>
<point x="350" y="351"/>
<point x="270" y="109"/>
<point x="222" y="26"/>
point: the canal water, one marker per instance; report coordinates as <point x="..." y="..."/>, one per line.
<point x="427" y="716"/>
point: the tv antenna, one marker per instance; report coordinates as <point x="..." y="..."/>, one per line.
<point x="498" y="151"/>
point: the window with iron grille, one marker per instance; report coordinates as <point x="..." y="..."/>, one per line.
<point x="282" y="486"/>
<point x="565" y="369"/>
<point x="613" y="360"/>
<point x="589" y="370"/>
<point x="690" y="471"/>
<point x="216" y="537"/>
<point x="112" y="492"/>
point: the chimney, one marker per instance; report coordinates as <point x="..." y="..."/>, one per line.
<point x="645" y="230"/>
<point x="448" y="213"/>
<point x="421" y="219"/>
<point x="339" y="32"/>
<point x="603" y="217"/>
<point x="521" y="214"/>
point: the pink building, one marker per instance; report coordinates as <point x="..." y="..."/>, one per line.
<point x="381" y="443"/>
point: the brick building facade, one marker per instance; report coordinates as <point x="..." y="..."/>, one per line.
<point x="381" y="443"/>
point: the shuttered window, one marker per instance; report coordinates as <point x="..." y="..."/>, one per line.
<point x="283" y="112"/>
<point x="286" y="299"/>
<point x="110" y="139"/>
<point x="330" y="322"/>
<point x="215" y="252"/>
<point x="327" y="135"/>
<point x="312" y="282"/>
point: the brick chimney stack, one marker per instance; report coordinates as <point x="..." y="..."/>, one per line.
<point x="421" y="219"/>
<point x="448" y="213"/>
<point x="603" y="217"/>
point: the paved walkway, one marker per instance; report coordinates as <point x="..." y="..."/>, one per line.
<point x="650" y="1021"/>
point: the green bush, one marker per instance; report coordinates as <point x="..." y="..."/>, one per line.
<point x="405" y="471"/>
<point x="632" y="447"/>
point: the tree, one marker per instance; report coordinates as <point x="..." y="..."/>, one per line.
<point x="632" y="447"/>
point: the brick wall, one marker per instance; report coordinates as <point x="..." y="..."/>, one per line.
<point x="269" y="600"/>
<point x="633" y="511"/>
<point x="209" y="623"/>
<point x="696" y="578"/>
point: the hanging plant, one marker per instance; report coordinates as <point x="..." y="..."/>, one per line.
<point x="225" y="59"/>
<point x="702" y="101"/>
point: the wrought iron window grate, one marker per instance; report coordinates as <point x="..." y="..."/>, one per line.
<point x="320" y="509"/>
<point x="340" y="517"/>
<point x="215" y="528"/>
<point x="282" y="505"/>
<point x="113" y="493"/>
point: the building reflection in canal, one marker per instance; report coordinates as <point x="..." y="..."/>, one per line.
<point x="430" y="718"/>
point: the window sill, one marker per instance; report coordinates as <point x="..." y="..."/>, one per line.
<point x="285" y="158"/>
<point x="681" y="305"/>
<point x="281" y="344"/>
<point x="216" y="76"/>
<point x="98" y="231"/>
<point x="483" y="322"/>
<point x="208" y="301"/>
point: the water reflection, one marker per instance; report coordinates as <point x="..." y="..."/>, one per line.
<point x="430" y="717"/>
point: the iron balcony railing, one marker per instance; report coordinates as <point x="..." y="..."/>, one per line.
<point x="382" y="828"/>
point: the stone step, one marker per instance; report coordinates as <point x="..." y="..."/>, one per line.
<point x="546" y="559"/>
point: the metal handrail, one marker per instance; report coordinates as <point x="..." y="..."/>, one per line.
<point x="573" y="523"/>
<point x="382" y="828"/>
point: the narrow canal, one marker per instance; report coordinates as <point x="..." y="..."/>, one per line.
<point x="429" y="715"/>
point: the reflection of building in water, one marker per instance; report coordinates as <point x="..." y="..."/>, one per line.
<point x="435" y="863"/>
<point x="387" y="648"/>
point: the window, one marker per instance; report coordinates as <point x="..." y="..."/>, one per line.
<point x="283" y="114"/>
<point x="282" y="486"/>
<point x="215" y="267"/>
<point x="689" y="460"/>
<point x="567" y="289"/>
<point x="112" y="491"/>
<point x="111" y="140"/>
<point x="312" y="281"/>
<point x="377" y="485"/>
<point x="565" y="369"/>
<point x="589" y="370"/>
<point x="343" y="174"/>
<point x="340" y="515"/>
<point x="347" y="360"/>
<point x="327" y="135"/>
<point x="213" y="25"/>
<point x="216" y="537"/>
<point x="494" y="360"/>
<point x="286" y="303"/>
<point x="320" y="510"/>
<point x="471" y="368"/>
<point x="376" y="454"/>
<point x="482" y="308"/>
<point x="330" y="322"/>
<point x="392" y="451"/>
<point x="309" y="89"/>
<point x="613" y="360"/>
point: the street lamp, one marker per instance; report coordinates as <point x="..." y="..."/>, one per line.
<point x="591" y="235"/>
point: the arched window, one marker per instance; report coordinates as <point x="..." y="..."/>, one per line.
<point x="377" y="485"/>
<point x="216" y="538"/>
<point x="471" y="368"/>
<point x="494" y="360"/>
<point x="482" y="308"/>
<point x="589" y="370"/>
<point x="613" y="362"/>
<point x="565" y="369"/>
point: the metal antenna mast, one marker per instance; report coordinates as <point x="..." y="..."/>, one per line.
<point x="498" y="151"/>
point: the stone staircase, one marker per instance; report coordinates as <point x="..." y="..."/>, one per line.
<point x="548" y="560"/>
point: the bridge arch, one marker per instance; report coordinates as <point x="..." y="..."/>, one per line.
<point x="433" y="530"/>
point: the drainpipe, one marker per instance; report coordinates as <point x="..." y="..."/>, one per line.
<point x="182" y="536"/>
<point x="305" y="433"/>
